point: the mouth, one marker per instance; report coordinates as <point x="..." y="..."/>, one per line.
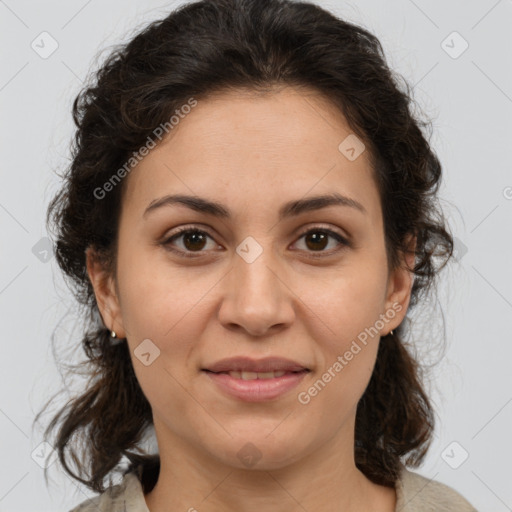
<point x="253" y="380"/>
<point x="255" y="368"/>
<point x="245" y="375"/>
<point x="255" y="386"/>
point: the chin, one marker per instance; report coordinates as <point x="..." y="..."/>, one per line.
<point x="258" y="450"/>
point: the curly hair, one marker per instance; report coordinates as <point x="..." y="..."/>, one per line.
<point x="220" y="45"/>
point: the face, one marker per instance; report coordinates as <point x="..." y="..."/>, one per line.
<point x="308" y="282"/>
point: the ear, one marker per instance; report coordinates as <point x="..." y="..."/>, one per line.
<point x="105" y="292"/>
<point x="399" y="288"/>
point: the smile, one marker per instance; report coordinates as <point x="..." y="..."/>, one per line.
<point x="256" y="386"/>
<point x="254" y="375"/>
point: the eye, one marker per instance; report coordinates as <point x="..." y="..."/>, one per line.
<point x="194" y="240"/>
<point x="316" y="239"/>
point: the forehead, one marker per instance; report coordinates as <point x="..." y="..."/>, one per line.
<point x="239" y="147"/>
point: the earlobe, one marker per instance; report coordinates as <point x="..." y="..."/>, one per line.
<point x="105" y="293"/>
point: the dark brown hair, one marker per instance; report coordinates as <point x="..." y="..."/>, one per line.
<point x="221" y="45"/>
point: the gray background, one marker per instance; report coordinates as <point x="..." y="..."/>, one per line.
<point x="469" y="97"/>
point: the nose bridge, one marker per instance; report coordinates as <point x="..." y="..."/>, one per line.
<point x="257" y="298"/>
<point x="255" y="271"/>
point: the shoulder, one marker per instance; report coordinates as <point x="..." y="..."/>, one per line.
<point x="416" y="493"/>
<point x="126" y="496"/>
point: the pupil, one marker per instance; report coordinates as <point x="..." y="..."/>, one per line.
<point x="317" y="238"/>
<point x="195" y="237"/>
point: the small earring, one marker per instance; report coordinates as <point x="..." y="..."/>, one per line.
<point x="391" y="332"/>
<point x="113" y="334"/>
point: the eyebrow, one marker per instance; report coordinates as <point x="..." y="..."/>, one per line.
<point x="289" y="209"/>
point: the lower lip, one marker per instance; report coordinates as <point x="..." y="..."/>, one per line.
<point x="256" y="390"/>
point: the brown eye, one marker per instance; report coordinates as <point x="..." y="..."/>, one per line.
<point x="316" y="240"/>
<point x="193" y="241"/>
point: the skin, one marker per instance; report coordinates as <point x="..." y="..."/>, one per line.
<point x="252" y="153"/>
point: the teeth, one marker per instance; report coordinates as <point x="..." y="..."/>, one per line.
<point x="256" y="375"/>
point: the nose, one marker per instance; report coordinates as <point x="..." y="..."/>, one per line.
<point x="256" y="297"/>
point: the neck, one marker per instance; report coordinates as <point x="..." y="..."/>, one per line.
<point x="324" y="479"/>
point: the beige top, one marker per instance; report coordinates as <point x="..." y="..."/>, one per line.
<point x="414" y="492"/>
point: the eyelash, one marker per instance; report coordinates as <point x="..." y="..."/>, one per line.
<point x="195" y="254"/>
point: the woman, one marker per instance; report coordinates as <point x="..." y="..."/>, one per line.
<point x="249" y="215"/>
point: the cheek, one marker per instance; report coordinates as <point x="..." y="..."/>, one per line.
<point x="347" y="310"/>
<point x="349" y="302"/>
<point x="165" y="306"/>
<point x="156" y="299"/>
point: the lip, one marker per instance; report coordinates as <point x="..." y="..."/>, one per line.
<point x="256" y="390"/>
<point x="247" y="364"/>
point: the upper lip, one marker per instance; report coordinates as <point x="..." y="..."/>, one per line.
<point x="246" y="364"/>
